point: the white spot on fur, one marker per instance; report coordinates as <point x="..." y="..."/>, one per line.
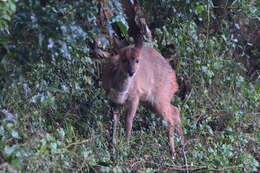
<point x="120" y="97"/>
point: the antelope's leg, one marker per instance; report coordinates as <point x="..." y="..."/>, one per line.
<point x="170" y="128"/>
<point x="116" y="115"/>
<point x="175" y="120"/>
<point x="170" y="114"/>
<point x="131" y="111"/>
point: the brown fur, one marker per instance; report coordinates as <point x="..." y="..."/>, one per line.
<point x="153" y="82"/>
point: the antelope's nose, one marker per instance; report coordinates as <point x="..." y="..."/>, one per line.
<point x="130" y="72"/>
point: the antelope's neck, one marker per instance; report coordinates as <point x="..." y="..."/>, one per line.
<point x="121" y="82"/>
<point x="119" y="91"/>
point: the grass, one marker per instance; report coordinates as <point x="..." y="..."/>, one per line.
<point x="41" y="137"/>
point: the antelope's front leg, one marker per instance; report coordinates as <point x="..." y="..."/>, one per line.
<point x="132" y="106"/>
<point x="115" y="111"/>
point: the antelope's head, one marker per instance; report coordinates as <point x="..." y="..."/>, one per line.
<point x="129" y="57"/>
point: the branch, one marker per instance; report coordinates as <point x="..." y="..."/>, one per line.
<point x="135" y="19"/>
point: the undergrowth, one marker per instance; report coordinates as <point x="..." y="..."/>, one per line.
<point x="55" y="116"/>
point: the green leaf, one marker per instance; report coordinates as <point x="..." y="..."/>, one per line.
<point x="12" y="6"/>
<point x="200" y="9"/>
<point x="43" y="148"/>
<point x="6" y="17"/>
<point x="15" y="163"/>
<point x="122" y="27"/>
<point x="15" y="134"/>
<point x="9" y="150"/>
<point x="61" y="132"/>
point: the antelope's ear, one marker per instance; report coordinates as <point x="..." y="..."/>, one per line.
<point x="139" y="43"/>
<point x="105" y="54"/>
<point x="118" y="44"/>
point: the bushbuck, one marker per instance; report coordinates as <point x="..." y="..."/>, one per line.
<point x="136" y="74"/>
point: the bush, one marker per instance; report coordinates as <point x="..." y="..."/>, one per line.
<point x="55" y="117"/>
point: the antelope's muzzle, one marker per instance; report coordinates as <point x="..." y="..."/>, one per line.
<point x="131" y="72"/>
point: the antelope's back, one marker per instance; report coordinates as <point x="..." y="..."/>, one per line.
<point x="156" y="73"/>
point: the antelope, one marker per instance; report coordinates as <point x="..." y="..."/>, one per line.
<point x="140" y="74"/>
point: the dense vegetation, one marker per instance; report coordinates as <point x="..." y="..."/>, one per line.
<point x="54" y="115"/>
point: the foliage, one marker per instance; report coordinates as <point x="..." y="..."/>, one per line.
<point x="7" y="8"/>
<point x="54" y="115"/>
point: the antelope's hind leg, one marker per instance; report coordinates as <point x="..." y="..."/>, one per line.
<point x="174" y="123"/>
<point x="171" y="114"/>
<point x="177" y="120"/>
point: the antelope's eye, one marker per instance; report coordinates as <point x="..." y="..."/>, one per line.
<point x="137" y="61"/>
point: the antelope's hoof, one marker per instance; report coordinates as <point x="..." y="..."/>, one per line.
<point x="173" y="156"/>
<point x="114" y="142"/>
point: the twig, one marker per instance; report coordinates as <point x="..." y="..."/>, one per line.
<point x="190" y="140"/>
<point x="137" y="162"/>
<point x="188" y="169"/>
<point x="77" y="143"/>
<point x="184" y="168"/>
<point x="174" y="168"/>
<point x="185" y="158"/>
<point x="208" y="16"/>
<point x="197" y="120"/>
<point x="187" y="99"/>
